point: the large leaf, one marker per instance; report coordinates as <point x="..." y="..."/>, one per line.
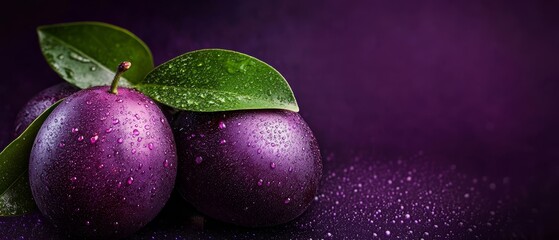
<point x="212" y="80"/>
<point x="15" y="194"/>
<point x="87" y="53"/>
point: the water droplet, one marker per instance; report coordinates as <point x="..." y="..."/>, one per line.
<point x="93" y="68"/>
<point x="75" y="130"/>
<point x="198" y="160"/>
<point x="120" y="140"/>
<point x="133" y="151"/>
<point x="135" y="132"/>
<point x="223" y="141"/>
<point x="273" y="165"/>
<point x="119" y="100"/>
<point x="150" y="146"/>
<point x="287" y="200"/>
<point x="387" y="233"/>
<point x="61" y="144"/>
<point x="222" y="125"/>
<point x="130" y="180"/>
<point x="407" y="216"/>
<point x="290" y="169"/>
<point x="79" y="58"/>
<point x="140" y="139"/>
<point x="108" y="130"/>
<point x="80" y="138"/>
<point x="60" y="56"/>
<point x="101" y="166"/>
<point x="137" y="116"/>
<point x="73" y="179"/>
<point x="88" y="102"/>
<point x="166" y="163"/>
<point x="115" y="121"/>
<point x="94" y="139"/>
<point x="87" y="223"/>
<point x="260" y="181"/>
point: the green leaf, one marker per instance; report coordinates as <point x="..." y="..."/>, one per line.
<point x="15" y="193"/>
<point x="87" y="54"/>
<point x="211" y="80"/>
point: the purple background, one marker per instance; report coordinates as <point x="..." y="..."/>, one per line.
<point x="471" y="86"/>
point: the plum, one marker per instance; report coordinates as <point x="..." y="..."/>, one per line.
<point x="39" y="103"/>
<point x="251" y="168"/>
<point x="103" y="163"/>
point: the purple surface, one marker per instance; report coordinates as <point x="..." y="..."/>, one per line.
<point x="263" y="166"/>
<point x="103" y="165"/>
<point x="472" y="86"/>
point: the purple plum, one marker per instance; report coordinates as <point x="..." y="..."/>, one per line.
<point x="39" y="103"/>
<point x="103" y="163"/>
<point x="251" y="168"/>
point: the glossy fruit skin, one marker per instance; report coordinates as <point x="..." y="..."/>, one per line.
<point x="39" y="103"/>
<point x="103" y="165"/>
<point x="250" y="168"/>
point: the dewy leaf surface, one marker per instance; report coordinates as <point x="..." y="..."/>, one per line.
<point x="86" y="54"/>
<point x="211" y="80"/>
<point x="15" y="193"/>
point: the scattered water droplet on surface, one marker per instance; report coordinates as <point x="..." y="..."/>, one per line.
<point x="79" y="58"/>
<point x="135" y="132"/>
<point x="198" y="160"/>
<point x="94" y="139"/>
<point x="130" y="180"/>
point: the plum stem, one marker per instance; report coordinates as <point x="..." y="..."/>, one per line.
<point x="122" y="67"/>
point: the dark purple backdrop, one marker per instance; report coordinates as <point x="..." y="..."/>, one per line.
<point x="416" y="93"/>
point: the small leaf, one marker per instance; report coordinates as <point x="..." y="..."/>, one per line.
<point x="15" y="193"/>
<point x="86" y="53"/>
<point x="213" y="80"/>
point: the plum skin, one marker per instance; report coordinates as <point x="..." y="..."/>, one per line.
<point x="103" y="165"/>
<point x="39" y="103"/>
<point x="251" y="168"/>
